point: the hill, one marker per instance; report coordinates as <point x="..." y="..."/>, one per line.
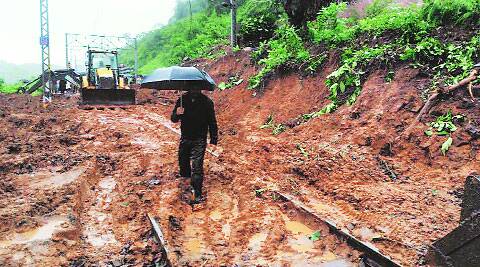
<point x="13" y="73"/>
<point x="202" y="34"/>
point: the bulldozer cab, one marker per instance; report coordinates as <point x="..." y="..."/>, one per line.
<point x="103" y="84"/>
<point x="102" y="69"/>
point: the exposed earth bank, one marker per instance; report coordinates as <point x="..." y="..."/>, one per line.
<point x="76" y="184"/>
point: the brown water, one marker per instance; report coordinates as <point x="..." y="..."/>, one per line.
<point x="43" y="233"/>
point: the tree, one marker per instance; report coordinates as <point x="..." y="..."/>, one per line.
<point x="301" y="11"/>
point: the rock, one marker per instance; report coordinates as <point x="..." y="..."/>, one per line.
<point x="126" y="249"/>
<point x="386" y="150"/>
<point x="174" y="223"/>
<point x="473" y="131"/>
<point x="14" y="148"/>
<point x="154" y="182"/>
<point x="87" y="136"/>
<point x="117" y="263"/>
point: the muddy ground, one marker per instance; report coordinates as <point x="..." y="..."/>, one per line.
<point x="76" y="184"/>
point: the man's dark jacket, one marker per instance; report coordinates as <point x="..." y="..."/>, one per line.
<point x="198" y="118"/>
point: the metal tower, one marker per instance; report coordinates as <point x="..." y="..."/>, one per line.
<point x="45" y="44"/>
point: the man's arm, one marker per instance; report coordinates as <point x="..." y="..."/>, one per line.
<point x="212" y="124"/>
<point x="176" y="117"/>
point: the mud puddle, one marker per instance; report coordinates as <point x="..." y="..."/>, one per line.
<point x="97" y="230"/>
<point x="33" y="246"/>
<point x="50" y="178"/>
<point x="40" y="234"/>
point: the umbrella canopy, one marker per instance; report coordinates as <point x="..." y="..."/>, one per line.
<point x="179" y="78"/>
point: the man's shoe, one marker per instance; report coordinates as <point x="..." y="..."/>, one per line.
<point x="199" y="203"/>
<point x="198" y="200"/>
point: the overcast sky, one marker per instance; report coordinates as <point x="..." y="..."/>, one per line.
<point x="20" y="24"/>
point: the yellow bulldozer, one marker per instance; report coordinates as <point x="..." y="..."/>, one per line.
<point x="103" y="84"/>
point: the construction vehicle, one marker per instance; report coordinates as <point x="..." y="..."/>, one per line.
<point x="461" y="246"/>
<point x="60" y="77"/>
<point x="103" y="84"/>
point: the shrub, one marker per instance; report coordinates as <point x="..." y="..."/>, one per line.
<point x="285" y="47"/>
<point x="330" y="28"/>
<point x="446" y="12"/>
<point x="258" y="21"/>
<point x="347" y="79"/>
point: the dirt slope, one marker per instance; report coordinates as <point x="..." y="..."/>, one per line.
<point x="76" y="185"/>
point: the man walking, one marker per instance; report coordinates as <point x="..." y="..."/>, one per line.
<point x="197" y="115"/>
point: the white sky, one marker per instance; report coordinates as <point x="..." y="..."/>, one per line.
<point x="20" y="23"/>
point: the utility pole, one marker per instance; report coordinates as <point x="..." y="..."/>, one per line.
<point x="67" y="61"/>
<point x="136" y="58"/>
<point x="233" y="31"/>
<point x="45" y="44"/>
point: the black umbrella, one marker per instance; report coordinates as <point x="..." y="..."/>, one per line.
<point x="179" y="78"/>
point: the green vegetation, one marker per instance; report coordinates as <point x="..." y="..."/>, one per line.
<point x="460" y="12"/>
<point x="444" y="126"/>
<point x="201" y="35"/>
<point x="169" y="46"/>
<point x="232" y="82"/>
<point x="276" y="128"/>
<point x="8" y="88"/>
<point x="315" y="236"/>
<point x="285" y="47"/>
<point x="448" y="62"/>
<point x="350" y="74"/>
<point x="451" y="60"/>
<point x="303" y="151"/>
<point x="259" y="20"/>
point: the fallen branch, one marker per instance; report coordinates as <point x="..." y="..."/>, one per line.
<point x="432" y="100"/>
<point x="434" y="97"/>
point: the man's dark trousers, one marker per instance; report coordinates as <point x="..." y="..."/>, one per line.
<point x="194" y="150"/>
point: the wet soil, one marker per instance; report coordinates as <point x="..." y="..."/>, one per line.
<point x="76" y="185"/>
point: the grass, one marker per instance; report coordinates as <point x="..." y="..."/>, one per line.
<point x="8" y="88"/>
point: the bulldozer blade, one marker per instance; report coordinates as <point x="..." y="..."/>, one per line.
<point x="471" y="197"/>
<point x="460" y="247"/>
<point x="108" y="97"/>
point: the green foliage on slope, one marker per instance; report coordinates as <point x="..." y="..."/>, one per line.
<point x="185" y="38"/>
<point x="365" y="34"/>
<point x="409" y="35"/>
<point x="200" y="35"/>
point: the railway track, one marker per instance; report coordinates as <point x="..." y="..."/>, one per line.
<point x="368" y="254"/>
